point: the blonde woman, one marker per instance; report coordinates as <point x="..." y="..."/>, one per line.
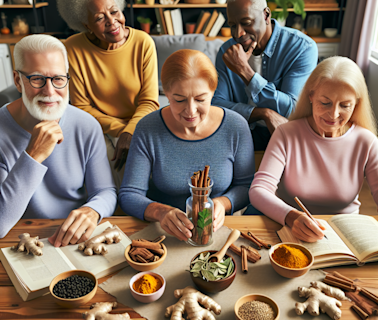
<point x="323" y="154"/>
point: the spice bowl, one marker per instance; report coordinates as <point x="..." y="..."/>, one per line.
<point x="140" y="266"/>
<point x="213" y="286"/>
<point x="256" y="297"/>
<point x="291" y="272"/>
<point x="76" y="302"/>
<point x="151" y="297"/>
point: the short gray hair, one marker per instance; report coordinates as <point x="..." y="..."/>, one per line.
<point x="37" y="43"/>
<point x="75" y="12"/>
<point x="255" y="4"/>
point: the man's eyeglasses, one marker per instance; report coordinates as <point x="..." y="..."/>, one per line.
<point x="38" y="81"/>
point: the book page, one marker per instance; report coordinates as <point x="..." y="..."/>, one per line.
<point x="98" y="263"/>
<point x="333" y="244"/>
<point x="37" y="272"/>
<point x="359" y="232"/>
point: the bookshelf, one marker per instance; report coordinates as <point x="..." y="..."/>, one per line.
<point x="336" y="12"/>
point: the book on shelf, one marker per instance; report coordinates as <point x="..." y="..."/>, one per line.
<point x="218" y="24"/>
<point x="176" y="17"/>
<point x="211" y="22"/>
<point x="202" y="19"/>
<point x="31" y="275"/>
<point x="351" y="239"/>
<point x="168" y="22"/>
<point x="160" y="20"/>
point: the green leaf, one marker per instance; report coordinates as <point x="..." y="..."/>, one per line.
<point x="200" y="224"/>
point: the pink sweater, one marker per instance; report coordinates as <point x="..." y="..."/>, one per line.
<point x="326" y="174"/>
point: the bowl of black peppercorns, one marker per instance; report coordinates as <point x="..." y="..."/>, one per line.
<point x="73" y="288"/>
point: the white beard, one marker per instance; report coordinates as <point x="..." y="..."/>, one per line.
<point x="51" y="113"/>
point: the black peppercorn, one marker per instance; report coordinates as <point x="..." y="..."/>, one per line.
<point x="73" y="287"/>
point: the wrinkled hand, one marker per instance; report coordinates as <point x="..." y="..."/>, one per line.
<point x="219" y="214"/>
<point x="121" y="150"/>
<point x="236" y="59"/>
<point x="44" y="137"/>
<point x="176" y="223"/>
<point x="77" y="228"/>
<point x="273" y="120"/>
<point x="305" y="229"/>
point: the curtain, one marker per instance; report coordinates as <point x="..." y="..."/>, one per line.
<point x="357" y="30"/>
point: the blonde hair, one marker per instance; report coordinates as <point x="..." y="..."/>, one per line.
<point x="37" y="43"/>
<point x="186" y="64"/>
<point x="346" y="71"/>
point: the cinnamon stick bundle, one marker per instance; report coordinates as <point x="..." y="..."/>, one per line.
<point x="253" y="240"/>
<point x="145" y="251"/>
<point x="361" y="314"/>
<point x="263" y="243"/>
<point x="252" y="256"/>
<point x="341" y="283"/>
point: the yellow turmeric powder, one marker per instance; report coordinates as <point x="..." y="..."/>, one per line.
<point x="290" y="257"/>
<point x="147" y="284"/>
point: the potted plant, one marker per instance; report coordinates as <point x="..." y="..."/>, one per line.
<point x="145" y="23"/>
<point x="297" y="5"/>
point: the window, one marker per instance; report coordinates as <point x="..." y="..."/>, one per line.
<point x="374" y="44"/>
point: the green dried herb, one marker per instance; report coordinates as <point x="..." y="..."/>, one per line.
<point x="211" y="271"/>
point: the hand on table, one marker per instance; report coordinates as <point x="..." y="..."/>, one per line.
<point x="303" y="227"/>
<point x="44" y="137"/>
<point x="219" y="214"/>
<point x="236" y="59"/>
<point x="121" y="150"/>
<point x="78" y="227"/>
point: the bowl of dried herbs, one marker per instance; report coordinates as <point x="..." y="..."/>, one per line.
<point x="212" y="276"/>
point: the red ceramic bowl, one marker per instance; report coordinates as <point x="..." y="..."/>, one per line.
<point x="213" y="286"/>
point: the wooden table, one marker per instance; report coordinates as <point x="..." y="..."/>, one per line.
<point x="12" y="306"/>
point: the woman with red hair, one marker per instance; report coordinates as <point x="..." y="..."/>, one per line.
<point x="170" y="144"/>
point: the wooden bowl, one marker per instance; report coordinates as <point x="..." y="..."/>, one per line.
<point x="77" y="302"/>
<point x="213" y="286"/>
<point x="291" y="272"/>
<point x="256" y="297"/>
<point x="139" y="266"/>
<point x="147" y="298"/>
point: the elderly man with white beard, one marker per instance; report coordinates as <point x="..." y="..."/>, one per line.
<point x="53" y="162"/>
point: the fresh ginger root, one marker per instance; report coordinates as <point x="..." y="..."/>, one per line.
<point x="189" y="303"/>
<point x="29" y="244"/>
<point x="317" y="299"/>
<point x="100" y="311"/>
<point x="96" y="244"/>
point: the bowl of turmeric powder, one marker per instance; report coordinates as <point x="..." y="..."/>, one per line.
<point x="290" y="260"/>
<point x="147" y="286"/>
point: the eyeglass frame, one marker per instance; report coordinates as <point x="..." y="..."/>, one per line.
<point x="40" y="75"/>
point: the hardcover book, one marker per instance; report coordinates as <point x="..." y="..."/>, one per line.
<point x="31" y="275"/>
<point x="203" y="18"/>
<point x="351" y="239"/>
<point x="218" y="24"/>
<point x="211" y="23"/>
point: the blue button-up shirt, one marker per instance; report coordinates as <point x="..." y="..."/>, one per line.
<point x="287" y="61"/>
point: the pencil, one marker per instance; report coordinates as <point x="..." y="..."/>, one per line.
<point x="309" y="214"/>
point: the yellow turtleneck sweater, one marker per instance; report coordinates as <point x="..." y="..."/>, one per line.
<point x="118" y="87"/>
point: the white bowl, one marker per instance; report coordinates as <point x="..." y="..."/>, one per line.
<point x="330" y="32"/>
<point x="147" y="298"/>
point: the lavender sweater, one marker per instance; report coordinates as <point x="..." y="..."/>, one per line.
<point x="53" y="189"/>
<point x="170" y="161"/>
<point x="326" y="174"/>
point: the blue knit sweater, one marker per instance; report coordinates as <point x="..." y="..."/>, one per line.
<point x="55" y="187"/>
<point x="170" y="161"/>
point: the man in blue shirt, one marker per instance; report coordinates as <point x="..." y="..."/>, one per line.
<point x="262" y="69"/>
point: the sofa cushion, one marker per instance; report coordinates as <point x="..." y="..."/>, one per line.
<point x="166" y="45"/>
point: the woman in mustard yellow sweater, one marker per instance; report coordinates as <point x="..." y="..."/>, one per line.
<point x="113" y="71"/>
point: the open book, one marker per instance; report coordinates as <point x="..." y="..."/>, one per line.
<point x="31" y="275"/>
<point x="352" y="238"/>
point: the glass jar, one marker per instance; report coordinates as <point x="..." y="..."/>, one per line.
<point x="200" y="211"/>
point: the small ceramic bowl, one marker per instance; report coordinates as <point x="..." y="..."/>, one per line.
<point x="139" y="266"/>
<point x="256" y="297"/>
<point x="291" y="272"/>
<point x="226" y="32"/>
<point x="330" y="32"/>
<point x="77" y="302"/>
<point x="147" y="298"/>
<point x="213" y="286"/>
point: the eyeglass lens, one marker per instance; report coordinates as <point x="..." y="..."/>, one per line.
<point x="39" y="81"/>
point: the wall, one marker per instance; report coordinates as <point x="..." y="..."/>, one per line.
<point x="372" y="83"/>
